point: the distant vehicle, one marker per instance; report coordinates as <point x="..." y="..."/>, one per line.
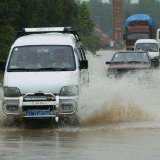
<point x="138" y="26"/>
<point x="158" y="37"/>
<point x="45" y="70"/>
<point x="149" y="45"/>
<point x="128" y="61"/>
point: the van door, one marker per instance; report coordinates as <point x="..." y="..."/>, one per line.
<point x="83" y="72"/>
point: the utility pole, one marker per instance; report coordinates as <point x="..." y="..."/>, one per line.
<point x="117" y="21"/>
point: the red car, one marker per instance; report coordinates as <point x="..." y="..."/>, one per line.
<point x="126" y="62"/>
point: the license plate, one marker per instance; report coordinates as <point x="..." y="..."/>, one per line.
<point x="37" y="113"/>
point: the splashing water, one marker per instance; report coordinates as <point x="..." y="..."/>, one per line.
<point x="132" y="98"/>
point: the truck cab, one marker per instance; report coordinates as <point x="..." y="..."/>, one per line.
<point x="45" y="70"/>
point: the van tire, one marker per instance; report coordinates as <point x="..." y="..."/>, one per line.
<point x="72" y="121"/>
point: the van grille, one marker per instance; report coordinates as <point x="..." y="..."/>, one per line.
<point x="39" y="97"/>
<point x="50" y="108"/>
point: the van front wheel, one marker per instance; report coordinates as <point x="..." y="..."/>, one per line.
<point x="72" y="121"/>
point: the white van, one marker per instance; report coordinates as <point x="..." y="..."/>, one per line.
<point x="158" y="37"/>
<point x="149" y="45"/>
<point x="44" y="73"/>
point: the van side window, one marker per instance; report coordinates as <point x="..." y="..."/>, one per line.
<point x="83" y="53"/>
<point x="79" y="54"/>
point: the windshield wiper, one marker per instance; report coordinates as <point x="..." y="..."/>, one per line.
<point x="38" y="69"/>
<point x="19" y="69"/>
<point x="133" y="62"/>
<point x="119" y="62"/>
<point x="54" y="69"/>
<point x="143" y="62"/>
<point x="151" y="49"/>
<point x="136" y="62"/>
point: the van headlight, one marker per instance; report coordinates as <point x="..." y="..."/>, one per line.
<point x="112" y="71"/>
<point x="11" y="106"/>
<point x="69" y="91"/>
<point x="67" y="106"/>
<point x="11" y="92"/>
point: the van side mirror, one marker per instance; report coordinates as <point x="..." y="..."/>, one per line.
<point x="2" y="65"/>
<point x="84" y="64"/>
<point x="132" y="48"/>
<point x="108" y="62"/>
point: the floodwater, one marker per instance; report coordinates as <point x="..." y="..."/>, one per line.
<point x="119" y="120"/>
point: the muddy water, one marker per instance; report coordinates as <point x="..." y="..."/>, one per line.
<point x="120" y="120"/>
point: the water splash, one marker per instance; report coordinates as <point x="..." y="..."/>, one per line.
<point x="129" y="99"/>
<point x="126" y="101"/>
<point x="116" y="113"/>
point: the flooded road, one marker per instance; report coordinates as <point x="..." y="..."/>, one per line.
<point x="120" y="120"/>
<point x="80" y="144"/>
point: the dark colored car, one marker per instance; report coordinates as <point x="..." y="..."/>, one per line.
<point x="128" y="62"/>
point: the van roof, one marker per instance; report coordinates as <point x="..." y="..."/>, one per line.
<point x="46" y="39"/>
<point x="146" y="41"/>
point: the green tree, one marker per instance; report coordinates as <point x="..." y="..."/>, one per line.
<point x="28" y="14"/>
<point x="18" y="14"/>
<point x="7" y="35"/>
<point x="8" y="12"/>
<point x="102" y="15"/>
<point x="86" y="26"/>
<point x="61" y="13"/>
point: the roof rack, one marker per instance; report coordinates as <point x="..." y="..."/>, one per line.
<point x="65" y="30"/>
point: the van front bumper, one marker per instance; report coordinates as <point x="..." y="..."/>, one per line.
<point x="31" y="106"/>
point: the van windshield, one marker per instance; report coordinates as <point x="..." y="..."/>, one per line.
<point x="150" y="47"/>
<point x="42" y="58"/>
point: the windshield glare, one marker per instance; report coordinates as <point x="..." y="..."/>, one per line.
<point x="130" y="57"/>
<point x="42" y="57"/>
<point x="147" y="47"/>
<point x="137" y="36"/>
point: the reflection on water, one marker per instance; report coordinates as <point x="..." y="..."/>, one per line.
<point x="79" y="144"/>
